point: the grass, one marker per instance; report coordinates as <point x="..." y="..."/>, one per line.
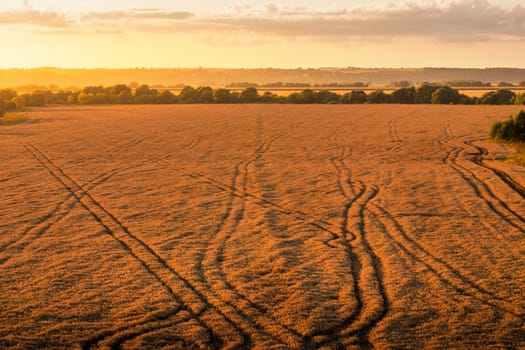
<point x="518" y="157"/>
<point x="13" y="119"/>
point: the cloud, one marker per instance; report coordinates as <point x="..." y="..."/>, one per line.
<point x="475" y="20"/>
<point x="33" y="17"/>
<point x="458" y="21"/>
<point x="137" y="15"/>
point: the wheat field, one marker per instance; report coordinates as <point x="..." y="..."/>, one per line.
<point x="260" y="227"/>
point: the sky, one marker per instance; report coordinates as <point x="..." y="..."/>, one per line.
<point x="262" y="33"/>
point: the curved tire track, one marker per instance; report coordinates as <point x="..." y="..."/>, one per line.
<point x="214" y="275"/>
<point x="446" y="274"/>
<point x="367" y="273"/>
<point x="190" y="300"/>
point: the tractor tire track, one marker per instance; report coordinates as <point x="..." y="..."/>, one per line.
<point x="59" y="213"/>
<point x="367" y="272"/>
<point x="211" y="264"/>
<point x="484" y="192"/>
<point x="393" y="133"/>
<point x="100" y="339"/>
<point x="248" y="316"/>
<point x="490" y="226"/>
<point x="489" y="231"/>
<point x="192" y="144"/>
<point x="309" y="219"/>
<point x="480" y="187"/>
<point x="190" y="300"/>
<point x="445" y="273"/>
<point x="115" y="342"/>
<point x="128" y="145"/>
<point x="448" y="135"/>
<point x="502" y="175"/>
<point x="371" y="304"/>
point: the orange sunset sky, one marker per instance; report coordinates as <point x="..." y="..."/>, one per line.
<point x="307" y="33"/>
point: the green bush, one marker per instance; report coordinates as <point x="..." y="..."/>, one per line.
<point x="445" y="95"/>
<point x="249" y="95"/>
<point x="354" y="97"/>
<point x="404" y="95"/>
<point x="512" y="129"/>
<point x="424" y="93"/>
<point x="166" y="97"/>
<point x="379" y="96"/>
<point x="519" y="99"/>
<point x="326" y="96"/>
<point x="499" y="97"/>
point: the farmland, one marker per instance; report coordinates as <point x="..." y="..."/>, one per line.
<point x="260" y="226"/>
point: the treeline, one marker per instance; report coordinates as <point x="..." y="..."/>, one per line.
<point x="512" y="129"/>
<point x="143" y="94"/>
<point x="465" y="84"/>
<point x="280" y="84"/>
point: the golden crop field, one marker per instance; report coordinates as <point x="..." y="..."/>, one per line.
<point x="260" y="227"/>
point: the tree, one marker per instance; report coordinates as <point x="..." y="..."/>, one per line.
<point x="404" y="95"/>
<point x="499" y="97"/>
<point x="84" y="98"/>
<point x="204" y="94"/>
<point x="305" y="96"/>
<point x="19" y="102"/>
<point x="222" y="96"/>
<point x="269" y="97"/>
<point x="354" y="97"/>
<point x="326" y="96"/>
<point x="424" y="93"/>
<point x="445" y="95"/>
<point x="7" y="94"/>
<point x="166" y="97"/>
<point x="249" y="95"/>
<point x="235" y="97"/>
<point x="120" y="93"/>
<point x="36" y="99"/>
<point x="188" y="95"/>
<point x="379" y="96"/>
<point x="93" y="90"/>
<point x="467" y="100"/>
<point x="145" y="95"/>
<point x="125" y="97"/>
<point x="100" y="98"/>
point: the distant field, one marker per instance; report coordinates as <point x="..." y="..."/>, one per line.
<point x="261" y="226"/>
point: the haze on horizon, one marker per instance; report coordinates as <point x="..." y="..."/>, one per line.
<point x="308" y="33"/>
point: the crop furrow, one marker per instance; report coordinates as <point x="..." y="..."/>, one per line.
<point x="190" y="300"/>
<point x="59" y="212"/>
<point x="367" y="276"/>
<point x="484" y="192"/>
<point x="445" y="273"/>
<point x="502" y="175"/>
<point x="214" y="275"/>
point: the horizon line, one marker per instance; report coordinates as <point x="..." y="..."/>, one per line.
<point x="251" y="68"/>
